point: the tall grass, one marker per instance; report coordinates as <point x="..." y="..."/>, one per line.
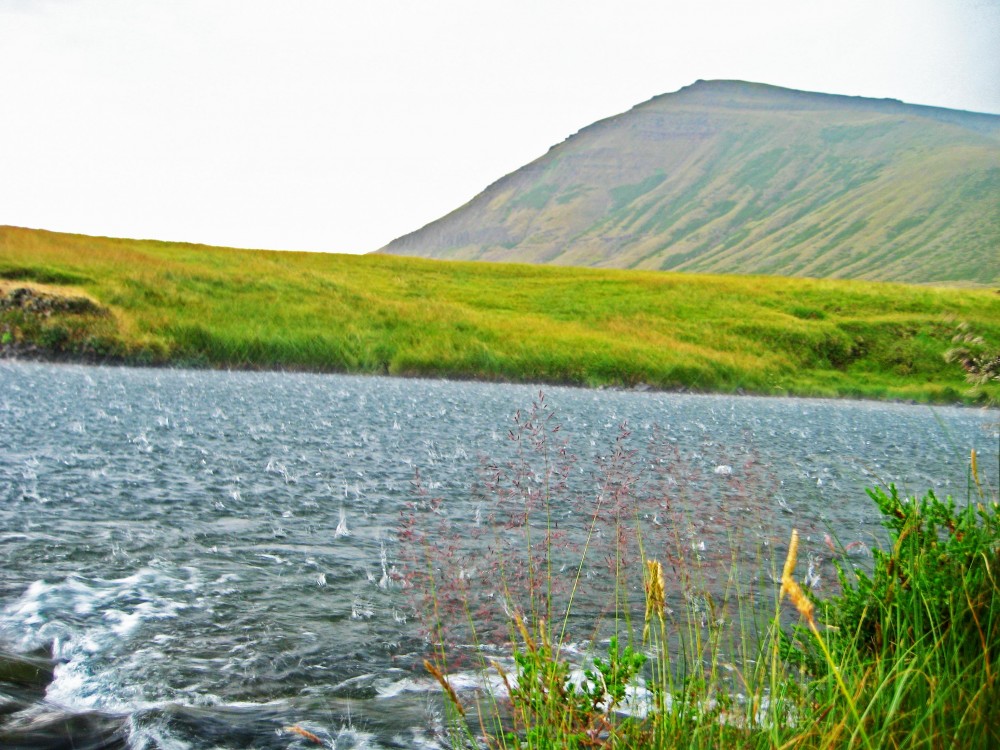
<point x="614" y="618"/>
<point x="172" y="303"/>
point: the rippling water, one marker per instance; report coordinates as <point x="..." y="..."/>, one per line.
<point x="209" y="554"/>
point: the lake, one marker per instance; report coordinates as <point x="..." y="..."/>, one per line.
<point x="213" y="557"/>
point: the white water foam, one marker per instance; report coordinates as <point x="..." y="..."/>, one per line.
<point x="82" y="620"/>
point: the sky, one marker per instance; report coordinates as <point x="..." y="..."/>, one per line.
<point x="336" y="126"/>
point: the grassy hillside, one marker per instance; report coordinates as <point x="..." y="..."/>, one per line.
<point x="733" y="177"/>
<point x="157" y="302"/>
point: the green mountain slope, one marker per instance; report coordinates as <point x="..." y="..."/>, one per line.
<point x="733" y="177"/>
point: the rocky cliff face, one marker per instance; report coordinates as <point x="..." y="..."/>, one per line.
<point x="733" y="177"/>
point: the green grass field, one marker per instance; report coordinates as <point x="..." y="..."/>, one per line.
<point x="193" y="305"/>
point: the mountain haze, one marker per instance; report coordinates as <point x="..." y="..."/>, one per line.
<point x="735" y="177"/>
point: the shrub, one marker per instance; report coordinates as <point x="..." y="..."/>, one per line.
<point x="938" y="579"/>
<point x="54" y="338"/>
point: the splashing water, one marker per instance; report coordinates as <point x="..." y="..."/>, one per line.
<point x="180" y="540"/>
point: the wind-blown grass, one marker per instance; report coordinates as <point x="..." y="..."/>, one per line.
<point x="172" y="303"/>
<point x="613" y="628"/>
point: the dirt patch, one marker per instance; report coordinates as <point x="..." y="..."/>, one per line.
<point x="41" y="300"/>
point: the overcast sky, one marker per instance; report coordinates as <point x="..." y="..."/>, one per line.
<point x="338" y="126"/>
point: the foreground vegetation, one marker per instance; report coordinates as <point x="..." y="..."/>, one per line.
<point x="618" y="631"/>
<point x="166" y="303"/>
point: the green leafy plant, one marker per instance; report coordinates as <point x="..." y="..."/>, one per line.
<point x="552" y="709"/>
<point x="938" y="579"/>
<point x="906" y="654"/>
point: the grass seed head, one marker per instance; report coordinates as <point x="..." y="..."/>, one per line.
<point x="529" y="642"/>
<point x="790" y="586"/>
<point x="656" y="601"/>
<point x="974" y="466"/>
<point x="790" y="560"/>
<point x="443" y="681"/>
<point x="655" y="587"/>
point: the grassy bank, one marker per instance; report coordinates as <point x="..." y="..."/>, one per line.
<point x="169" y="303"/>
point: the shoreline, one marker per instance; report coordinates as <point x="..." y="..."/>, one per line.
<point x="68" y="299"/>
<point x="32" y="355"/>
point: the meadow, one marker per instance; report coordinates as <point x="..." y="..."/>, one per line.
<point x="161" y="303"/>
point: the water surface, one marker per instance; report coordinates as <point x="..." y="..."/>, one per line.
<point x="210" y="555"/>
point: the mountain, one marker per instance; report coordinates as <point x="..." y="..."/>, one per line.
<point x="745" y="178"/>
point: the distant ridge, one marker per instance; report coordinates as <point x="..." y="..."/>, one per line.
<point x="747" y="178"/>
